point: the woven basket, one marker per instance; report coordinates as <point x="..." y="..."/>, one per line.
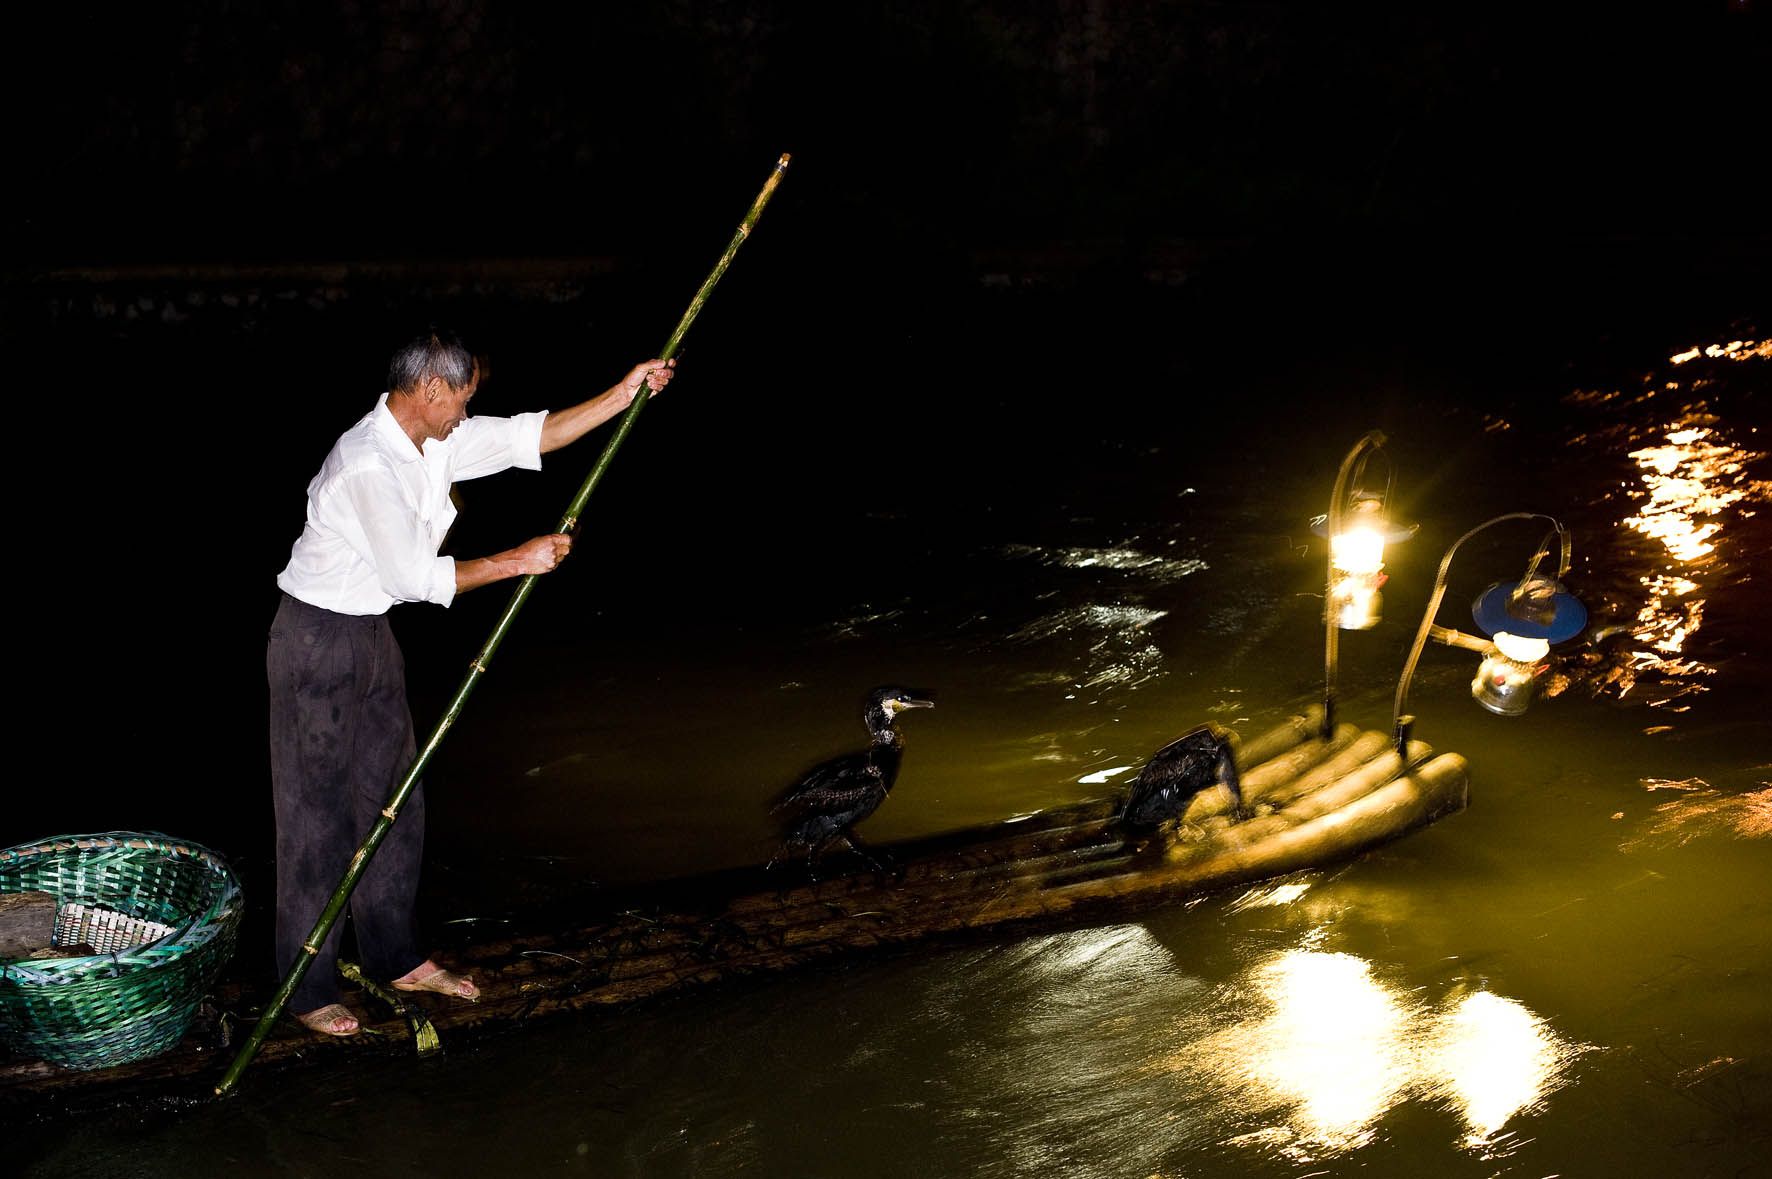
<point x="164" y="914"/>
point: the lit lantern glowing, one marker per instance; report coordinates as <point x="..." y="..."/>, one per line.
<point x="1356" y="561"/>
<point x="1357" y="530"/>
<point x="1504" y="684"/>
<point x="1522" y="620"/>
<point x="1357" y="556"/>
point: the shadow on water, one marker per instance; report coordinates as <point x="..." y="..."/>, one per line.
<point x="1080" y="520"/>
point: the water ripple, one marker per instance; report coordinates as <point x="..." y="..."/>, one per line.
<point x="1700" y="811"/>
<point x="1119" y="650"/>
<point x="1689" y="487"/>
<point x="1161" y="570"/>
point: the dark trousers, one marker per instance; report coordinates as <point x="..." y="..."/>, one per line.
<point x="341" y="736"/>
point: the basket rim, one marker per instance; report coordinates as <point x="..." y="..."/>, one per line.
<point x="225" y="907"/>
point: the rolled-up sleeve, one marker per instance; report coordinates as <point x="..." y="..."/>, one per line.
<point x="485" y="446"/>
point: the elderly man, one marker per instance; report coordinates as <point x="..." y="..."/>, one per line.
<point x="341" y="729"/>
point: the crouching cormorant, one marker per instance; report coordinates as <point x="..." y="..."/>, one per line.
<point x="1196" y="760"/>
<point x="835" y="795"/>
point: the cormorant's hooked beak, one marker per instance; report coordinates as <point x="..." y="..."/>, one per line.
<point x="899" y="704"/>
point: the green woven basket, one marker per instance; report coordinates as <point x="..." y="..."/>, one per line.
<point x="163" y="912"/>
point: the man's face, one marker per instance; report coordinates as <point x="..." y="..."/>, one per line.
<point x="445" y="408"/>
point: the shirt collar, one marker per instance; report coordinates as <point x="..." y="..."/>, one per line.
<point x="388" y="429"/>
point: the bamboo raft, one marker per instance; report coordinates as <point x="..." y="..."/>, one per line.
<point x="1316" y="802"/>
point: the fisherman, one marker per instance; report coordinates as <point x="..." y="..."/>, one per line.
<point x="341" y="729"/>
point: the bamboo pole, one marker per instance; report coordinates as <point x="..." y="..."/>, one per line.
<point x="568" y="523"/>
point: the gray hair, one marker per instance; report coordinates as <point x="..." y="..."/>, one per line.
<point x="437" y="352"/>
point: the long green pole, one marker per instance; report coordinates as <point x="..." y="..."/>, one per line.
<point x="569" y="522"/>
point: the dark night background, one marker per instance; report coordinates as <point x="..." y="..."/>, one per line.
<point x="1214" y="184"/>
<point x="1030" y="254"/>
<point x="931" y="137"/>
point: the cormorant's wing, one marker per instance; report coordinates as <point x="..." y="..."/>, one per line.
<point x="1187" y="757"/>
<point x="833" y="785"/>
<point x="1175" y="772"/>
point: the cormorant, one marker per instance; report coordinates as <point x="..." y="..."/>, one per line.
<point x="1194" y="761"/>
<point x="835" y="795"/>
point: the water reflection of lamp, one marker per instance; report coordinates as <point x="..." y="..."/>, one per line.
<point x="1334" y="1049"/>
<point x="1357" y="527"/>
<point x="1494" y="1058"/>
<point x="1522" y="618"/>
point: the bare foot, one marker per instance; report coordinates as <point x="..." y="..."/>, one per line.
<point x="334" y="1019"/>
<point x="428" y="976"/>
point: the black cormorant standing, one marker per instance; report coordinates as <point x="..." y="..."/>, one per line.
<point x="1194" y="761"/>
<point x="834" y="796"/>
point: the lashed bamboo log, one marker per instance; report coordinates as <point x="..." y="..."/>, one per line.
<point x="1318" y="802"/>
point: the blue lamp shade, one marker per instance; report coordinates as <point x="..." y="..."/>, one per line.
<point x="1537" y="608"/>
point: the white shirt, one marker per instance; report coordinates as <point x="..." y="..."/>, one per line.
<point x="379" y="509"/>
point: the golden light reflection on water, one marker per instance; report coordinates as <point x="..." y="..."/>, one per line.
<point x="1332" y="1048"/>
<point x="1692" y="484"/>
<point x="1688" y="481"/>
<point x="1700" y="811"/>
<point x="1733" y="350"/>
<point x="1494" y="1059"/>
<point x="1334" y="1045"/>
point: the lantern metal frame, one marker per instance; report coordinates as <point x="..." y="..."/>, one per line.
<point x="1350" y="495"/>
<point x="1535" y="607"/>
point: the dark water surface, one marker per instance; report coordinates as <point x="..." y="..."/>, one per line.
<point x="1077" y="516"/>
